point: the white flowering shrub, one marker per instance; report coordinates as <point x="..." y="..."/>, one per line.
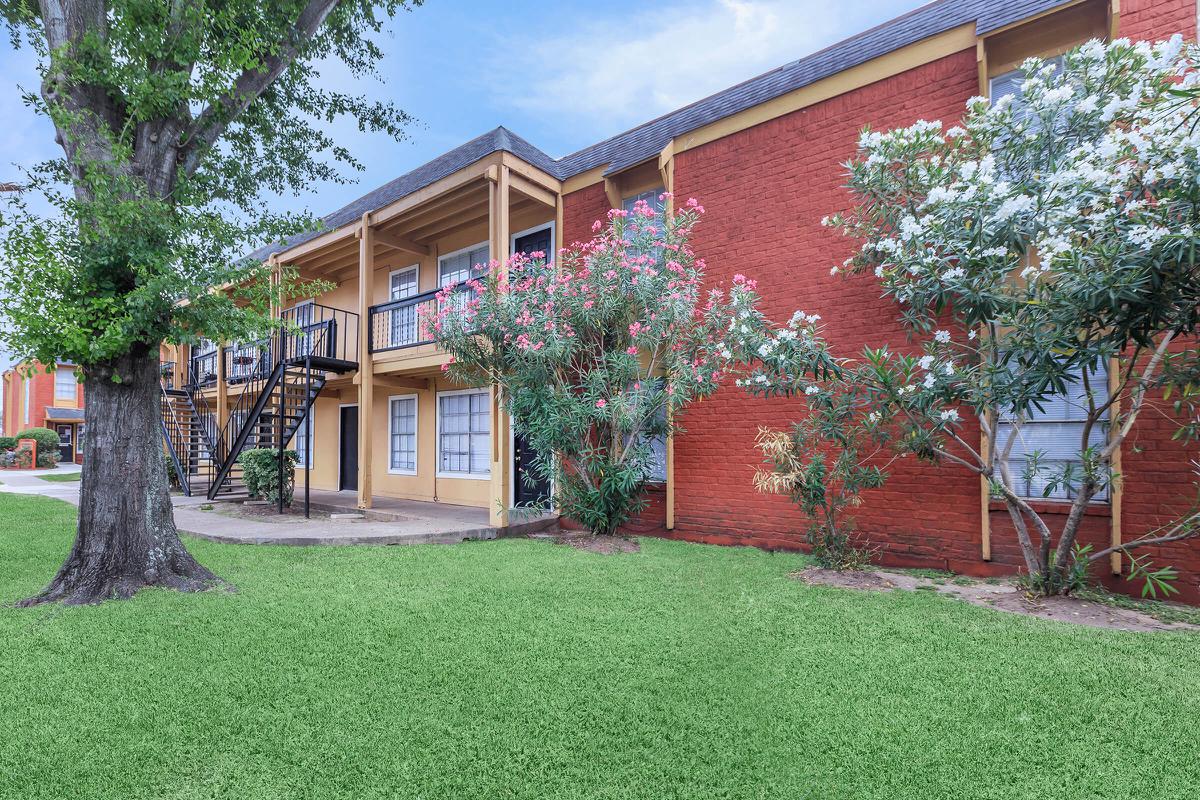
<point x="1047" y="236"/>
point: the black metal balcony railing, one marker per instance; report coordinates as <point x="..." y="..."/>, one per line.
<point x="202" y="369"/>
<point x="244" y="362"/>
<point x="320" y="332"/>
<point x="404" y="323"/>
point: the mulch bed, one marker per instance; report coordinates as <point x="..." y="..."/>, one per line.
<point x="1002" y="595"/>
<point x="582" y="540"/>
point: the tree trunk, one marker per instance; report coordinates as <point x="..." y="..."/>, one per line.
<point x="126" y="538"/>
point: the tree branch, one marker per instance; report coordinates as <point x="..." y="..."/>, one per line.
<point x="212" y="122"/>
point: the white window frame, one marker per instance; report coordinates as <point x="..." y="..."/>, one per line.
<point x="415" y="268"/>
<point x="512" y="240"/>
<point x="26" y="412"/>
<point x="468" y="476"/>
<point x="1004" y="429"/>
<point x="416" y="433"/>
<point x="58" y="393"/>
<point x="459" y="252"/>
<point x="308" y="428"/>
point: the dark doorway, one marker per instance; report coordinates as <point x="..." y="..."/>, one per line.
<point x="538" y="241"/>
<point x="66" y="443"/>
<point x="530" y="487"/>
<point x="348" y="474"/>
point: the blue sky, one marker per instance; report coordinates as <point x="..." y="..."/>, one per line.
<point x="562" y="73"/>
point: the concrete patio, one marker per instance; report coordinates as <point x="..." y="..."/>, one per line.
<point x="336" y="518"/>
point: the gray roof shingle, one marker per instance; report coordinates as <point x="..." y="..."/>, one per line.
<point x="647" y="140"/>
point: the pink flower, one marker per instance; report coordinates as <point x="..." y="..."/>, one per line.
<point x="632" y="350"/>
<point x="601" y="403"/>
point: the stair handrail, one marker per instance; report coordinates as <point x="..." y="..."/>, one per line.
<point x="177" y="427"/>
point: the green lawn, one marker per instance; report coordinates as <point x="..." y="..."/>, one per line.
<point x="523" y="669"/>
<point x="61" y="477"/>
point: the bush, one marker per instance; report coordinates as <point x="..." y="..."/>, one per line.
<point x="8" y="443"/>
<point x="260" y="470"/>
<point x="47" y="445"/>
<point x="172" y="475"/>
<point x="22" y="458"/>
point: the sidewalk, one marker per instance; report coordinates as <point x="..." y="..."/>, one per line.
<point x="408" y="522"/>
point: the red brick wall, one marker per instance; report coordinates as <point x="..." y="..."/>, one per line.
<point x="765" y="190"/>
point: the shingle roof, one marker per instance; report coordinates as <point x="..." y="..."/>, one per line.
<point x="499" y="139"/>
<point x="646" y="141"/>
<point x="54" y="412"/>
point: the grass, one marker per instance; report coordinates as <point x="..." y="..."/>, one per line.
<point x="522" y="669"/>
<point x="62" y="477"/>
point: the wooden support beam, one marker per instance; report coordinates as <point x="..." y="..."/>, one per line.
<point x="366" y="385"/>
<point x="498" y="505"/>
<point x="399" y="382"/>
<point x="400" y="243"/>
<point x="613" y="191"/>
<point x="533" y="191"/>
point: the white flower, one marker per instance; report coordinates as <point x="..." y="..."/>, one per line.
<point x="1087" y="105"/>
<point x="833" y="270"/>
<point x="760" y="378"/>
<point x="971" y="335"/>
<point x="953" y="273"/>
<point x="1013" y="206"/>
<point x="930" y="380"/>
<point x="926" y="362"/>
<point x="811" y="390"/>
<point x="879" y="271"/>
<point x="950" y="415"/>
<point x="941" y="336"/>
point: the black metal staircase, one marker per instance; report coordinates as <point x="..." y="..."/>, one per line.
<point x="272" y="385"/>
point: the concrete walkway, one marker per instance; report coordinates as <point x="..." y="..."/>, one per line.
<point x="394" y="522"/>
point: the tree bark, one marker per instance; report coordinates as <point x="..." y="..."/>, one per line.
<point x="126" y="537"/>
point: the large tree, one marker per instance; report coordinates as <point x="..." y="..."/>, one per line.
<point x="174" y="117"/>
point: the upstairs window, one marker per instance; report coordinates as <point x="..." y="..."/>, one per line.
<point x="460" y="266"/>
<point x="64" y="384"/>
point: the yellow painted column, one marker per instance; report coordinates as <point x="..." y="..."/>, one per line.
<point x="498" y="503"/>
<point x="366" y="371"/>
<point x="222" y="389"/>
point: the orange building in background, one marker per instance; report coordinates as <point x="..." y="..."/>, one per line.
<point x="35" y="396"/>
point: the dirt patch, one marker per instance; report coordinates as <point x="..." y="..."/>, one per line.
<point x="267" y="513"/>
<point x="582" y="540"/>
<point x="1002" y="596"/>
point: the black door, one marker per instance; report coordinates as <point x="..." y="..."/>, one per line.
<point x="530" y="486"/>
<point x="348" y="478"/>
<point x="66" y="443"/>
<point x="538" y="241"/>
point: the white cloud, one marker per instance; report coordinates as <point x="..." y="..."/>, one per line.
<point x="614" y="74"/>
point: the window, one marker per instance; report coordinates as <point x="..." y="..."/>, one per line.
<point x="464" y="433"/>
<point x="1056" y="432"/>
<point x="1010" y="83"/>
<point x="26" y="412"/>
<point x="460" y="266"/>
<point x="656" y="471"/>
<point x="653" y="198"/>
<point x="403" y="321"/>
<point x="402" y="434"/>
<point x="64" y="384"/>
<point x="302" y="441"/>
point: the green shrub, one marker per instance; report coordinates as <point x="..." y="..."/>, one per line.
<point x="260" y="471"/>
<point x="22" y="458"/>
<point x="47" y="445"/>
<point x="8" y="443"/>
<point x="172" y="475"/>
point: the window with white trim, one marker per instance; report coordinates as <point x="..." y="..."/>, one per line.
<point x="26" y="412"/>
<point x="1056" y="433"/>
<point x="463" y="265"/>
<point x="64" y="384"/>
<point x="464" y="433"/>
<point x="402" y="434"/>
<point x="402" y="325"/>
<point x="302" y="441"/>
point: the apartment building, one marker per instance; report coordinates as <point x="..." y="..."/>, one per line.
<point x="35" y="396"/>
<point x="375" y="415"/>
